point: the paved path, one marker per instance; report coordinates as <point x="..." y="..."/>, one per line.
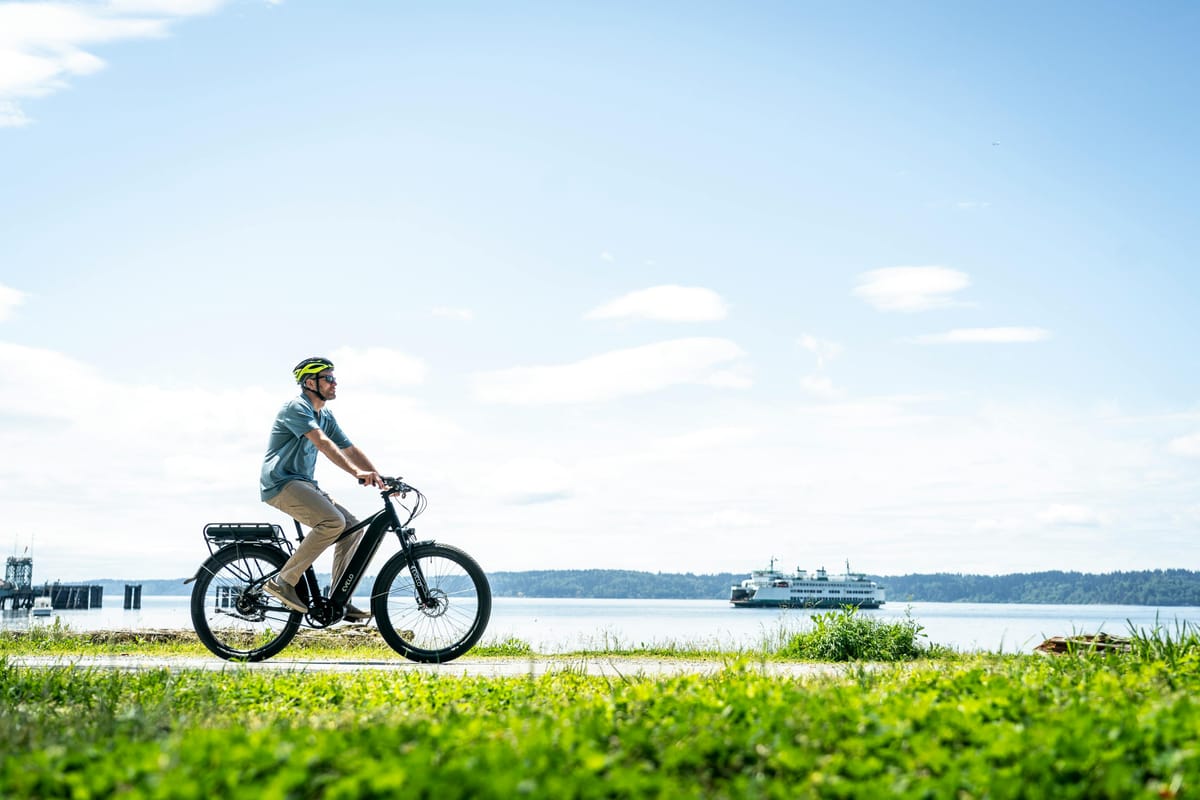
<point x="592" y="665"/>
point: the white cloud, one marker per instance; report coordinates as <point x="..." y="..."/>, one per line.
<point x="823" y="349"/>
<point x="736" y="378"/>
<point x="80" y="417"/>
<point x="9" y="298"/>
<point x="461" y="314"/>
<point x="819" y="386"/>
<point x="732" y="518"/>
<point x="529" y="481"/>
<point x="669" y="303"/>
<point x="1074" y="515"/>
<point x="707" y="439"/>
<point x="42" y="44"/>
<point x="911" y="288"/>
<point x="179" y="8"/>
<point x="1011" y="335"/>
<point x="11" y="115"/>
<point x="378" y="368"/>
<point x="870" y="412"/>
<point x="620" y="373"/>
<point x="1186" y="446"/>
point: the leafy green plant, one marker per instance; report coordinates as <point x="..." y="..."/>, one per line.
<point x="847" y="635"/>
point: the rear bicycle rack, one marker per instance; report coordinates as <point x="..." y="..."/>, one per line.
<point x="223" y="534"/>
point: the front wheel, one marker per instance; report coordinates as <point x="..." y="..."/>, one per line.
<point x="232" y="614"/>
<point x="454" y="614"/>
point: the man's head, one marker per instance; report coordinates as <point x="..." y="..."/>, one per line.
<point x="316" y="374"/>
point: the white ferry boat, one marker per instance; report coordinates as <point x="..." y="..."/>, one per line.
<point x="42" y="607"/>
<point x="770" y="588"/>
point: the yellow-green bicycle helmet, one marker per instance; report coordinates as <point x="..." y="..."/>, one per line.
<point x="310" y="367"/>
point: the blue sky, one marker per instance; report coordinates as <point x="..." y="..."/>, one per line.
<point x="670" y="286"/>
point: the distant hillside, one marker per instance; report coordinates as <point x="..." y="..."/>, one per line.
<point x="612" y="583"/>
<point x="1173" y="587"/>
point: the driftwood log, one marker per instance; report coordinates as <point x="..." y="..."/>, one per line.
<point x="1084" y="643"/>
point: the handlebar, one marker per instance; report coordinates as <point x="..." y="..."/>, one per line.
<point x="395" y="486"/>
<point x="392" y="486"/>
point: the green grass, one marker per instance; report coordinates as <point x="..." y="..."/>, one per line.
<point x="984" y="726"/>
<point x="1179" y="648"/>
<point x="354" y="642"/>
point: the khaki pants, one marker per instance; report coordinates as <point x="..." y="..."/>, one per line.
<point x="309" y="505"/>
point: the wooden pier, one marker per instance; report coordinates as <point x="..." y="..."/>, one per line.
<point x="74" y="595"/>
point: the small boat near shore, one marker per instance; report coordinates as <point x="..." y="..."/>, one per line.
<point x="42" y="607"/>
<point x="771" y="588"/>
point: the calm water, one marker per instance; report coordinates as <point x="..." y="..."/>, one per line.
<point x="556" y="625"/>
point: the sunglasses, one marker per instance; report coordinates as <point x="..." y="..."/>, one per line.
<point x="327" y="378"/>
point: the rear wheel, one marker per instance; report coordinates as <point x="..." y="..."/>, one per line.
<point x="453" y="618"/>
<point x="232" y="614"/>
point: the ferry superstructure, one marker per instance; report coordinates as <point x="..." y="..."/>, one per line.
<point x="771" y="588"/>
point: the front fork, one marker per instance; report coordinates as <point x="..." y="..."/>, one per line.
<point x="407" y="538"/>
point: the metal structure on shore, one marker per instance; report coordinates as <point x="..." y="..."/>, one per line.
<point x="18" y="592"/>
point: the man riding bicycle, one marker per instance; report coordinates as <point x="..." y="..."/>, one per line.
<point x="302" y="427"/>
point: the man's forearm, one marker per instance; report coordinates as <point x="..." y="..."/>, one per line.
<point x="337" y="456"/>
<point x="359" y="459"/>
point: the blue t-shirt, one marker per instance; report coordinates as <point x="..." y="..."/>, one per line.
<point x="290" y="455"/>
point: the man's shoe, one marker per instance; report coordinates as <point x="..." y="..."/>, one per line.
<point x="356" y="614"/>
<point x="286" y="594"/>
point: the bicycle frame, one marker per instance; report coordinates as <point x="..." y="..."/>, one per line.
<point x="328" y="610"/>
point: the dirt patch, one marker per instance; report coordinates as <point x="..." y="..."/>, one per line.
<point x="140" y="637"/>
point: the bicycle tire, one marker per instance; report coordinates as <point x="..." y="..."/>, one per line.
<point x="233" y="617"/>
<point x="443" y="632"/>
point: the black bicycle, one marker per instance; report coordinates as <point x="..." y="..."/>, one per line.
<point x="431" y="601"/>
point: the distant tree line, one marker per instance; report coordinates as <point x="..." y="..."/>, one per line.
<point x="612" y="584"/>
<point x="1172" y="587"/>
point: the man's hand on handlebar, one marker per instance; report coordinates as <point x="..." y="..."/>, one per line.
<point x="369" y="478"/>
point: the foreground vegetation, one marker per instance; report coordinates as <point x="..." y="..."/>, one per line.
<point x="1085" y="725"/>
<point x="1018" y="726"/>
